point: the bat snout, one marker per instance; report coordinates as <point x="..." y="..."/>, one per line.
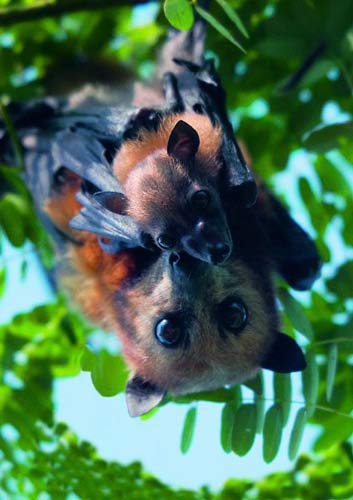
<point x="208" y="243"/>
<point x="219" y="252"/>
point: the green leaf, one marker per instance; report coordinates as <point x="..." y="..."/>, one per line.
<point x="150" y="414"/>
<point x="331" y="178"/>
<point x="88" y="359"/>
<point x="272" y="432"/>
<point x="12" y="212"/>
<point x="341" y="283"/>
<point x="331" y="370"/>
<point x="227" y="419"/>
<point x="109" y="374"/>
<point x="244" y="429"/>
<point x="179" y="13"/>
<point x="188" y="430"/>
<point x="310" y="379"/>
<point x="297" y="433"/>
<point x="256" y="384"/>
<point x="260" y="404"/>
<point x="221" y="395"/>
<point x="233" y="16"/>
<point x="282" y="387"/>
<point x="237" y="396"/>
<point x="218" y="26"/>
<point x="24" y="269"/>
<point x="329" y="137"/>
<point x="337" y="430"/>
<point x="295" y="313"/>
<point x="2" y="280"/>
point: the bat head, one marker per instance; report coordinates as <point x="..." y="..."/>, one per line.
<point x="187" y="326"/>
<point x="173" y="193"/>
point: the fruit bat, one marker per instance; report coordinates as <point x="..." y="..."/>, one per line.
<point x="163" y="232"/>
<point x="184" y="325"/>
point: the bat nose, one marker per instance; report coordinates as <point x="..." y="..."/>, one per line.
<point x="219" y="252"/>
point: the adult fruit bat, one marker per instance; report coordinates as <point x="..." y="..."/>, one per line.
<point x="142" y="201"/>
<point x="184" y="325"/>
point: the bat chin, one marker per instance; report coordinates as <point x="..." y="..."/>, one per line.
<point x="217" y="379"/>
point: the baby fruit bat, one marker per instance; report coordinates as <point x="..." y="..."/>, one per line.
<point x="168" y="174"/>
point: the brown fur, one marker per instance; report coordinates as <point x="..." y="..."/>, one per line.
<point x="91" y="275"/>
<point x="100" y="284"/>
<point x="210" y="361"/>
<point x="135" y="151"/>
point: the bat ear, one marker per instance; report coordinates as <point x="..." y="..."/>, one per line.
<point x="285" y="356"/>
<point x="115" y="202"/>
<point x="142" y="396"/>
<point x="183" y="142"/>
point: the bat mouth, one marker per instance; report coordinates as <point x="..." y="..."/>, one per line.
<point x="219" y="253"/>
<point x="210" y="242"/>
<point x="213" y="253"/>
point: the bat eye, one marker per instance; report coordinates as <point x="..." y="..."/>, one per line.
<point x="233" y="314"/>
<point x="168" y="332"/>
<point x="200" y="200"/>
<point x="166" y="242"/>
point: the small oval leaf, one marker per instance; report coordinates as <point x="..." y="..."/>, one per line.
<point x="188" y="430"/>
<point x="149" y="414"/>
<point x="244" y="429"/>
<point x="87" y="360"/>
<point x="295" y="313"/>
<point x="109" y="375"/>
<point x="331" y="370"/>
<point x="282" y="388"/>
<point x="260" y="413"/>
<point x="237" y="398"/>
<point x="2" y="281"/>
<point x="23" y="269"/>
<point x="227" y="420"/>
<point x="329" y="137"/>
<point x="310" y="379"/>
<point x="272" y="432"/>
<point x="12" y="213"/>
<point x="256" y="384"/>
<point x="179" y="13"/>
<point x="337" y="429"/>
<point x="297" y="433"/>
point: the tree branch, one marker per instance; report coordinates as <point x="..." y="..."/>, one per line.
<point x="52" y="8"/>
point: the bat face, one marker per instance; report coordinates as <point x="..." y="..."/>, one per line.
<point x="172" y="190"/>
<point x="187" y="326"/>
<point x="181" y="212"/>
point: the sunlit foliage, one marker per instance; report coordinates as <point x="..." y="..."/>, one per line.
<point x="290" y="99"/>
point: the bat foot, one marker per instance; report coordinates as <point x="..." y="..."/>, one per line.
<point x="301" y="274"/>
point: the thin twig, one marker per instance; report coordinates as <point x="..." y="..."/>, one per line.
<point x="333" y="341"/>
<point x="318" y="407"/>
<point x="50" y="8"/>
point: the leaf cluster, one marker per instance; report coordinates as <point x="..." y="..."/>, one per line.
<point x="289" y="98"/>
